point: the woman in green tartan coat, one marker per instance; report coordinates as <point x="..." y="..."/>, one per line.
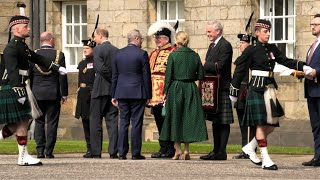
<point x="184" y="119"/>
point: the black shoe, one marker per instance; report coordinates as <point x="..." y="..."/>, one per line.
<point x="156" y="155"/>
<point x="309" y="163"/>
<point x="96" y="156"/>
<point x="316" y="162"/>
<point x="49" y="156"/>
<point x="209" y="156"/>
<point x="40" y="155"/>
<point x="273" y="167"/>
<point x="242" y="155"/>
<point x="87" y="155"/>
<point x="167" y="155"/>
<point x="114" y="156"/>
<point x="122" y="157"/>
<point x="220" y="157"/>
<point x="138" y="157"/>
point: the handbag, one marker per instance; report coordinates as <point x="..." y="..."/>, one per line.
<point x="209" y="92"/>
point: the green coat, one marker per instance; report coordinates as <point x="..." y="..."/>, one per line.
<point x="184" y="120"/>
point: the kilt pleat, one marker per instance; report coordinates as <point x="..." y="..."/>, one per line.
<point x="255" y="110"/>
<point x="11" y="111"/>
<point x="224" y="115"/>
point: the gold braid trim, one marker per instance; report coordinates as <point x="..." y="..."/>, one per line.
<point x="55" y="61"/>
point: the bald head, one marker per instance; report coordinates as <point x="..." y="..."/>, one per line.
<point x="47" y="38"/>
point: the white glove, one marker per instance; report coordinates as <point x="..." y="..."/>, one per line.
<point x="22" y="100"/>
<point x="62" y="71"/>
<point x="306" y="68"/>
<point x="308" y="71"/>
<point x="233" y="98"/>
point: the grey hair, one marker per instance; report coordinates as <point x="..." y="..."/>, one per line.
<point x="216" y="25"/>
<point x="133" y="34"/>
<point x="46" y="36"/>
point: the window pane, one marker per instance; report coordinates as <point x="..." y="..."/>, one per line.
<point x="180" y="10"/>
<point x="79" y="55"/>
<point x="76" y="14"/>
<point x="278" y="8"/>
<point x="268" y="7"/>
<point x="163" y="10"/>
<point x="172" y="10"/>
<point x="84" y="13"/>
<point x="84" y="32"/>
<point x="69" y="34"/>
<point x="72" y="56"/>
<point x="289" y="7"/>
<point x="278" y="29"/>
<point x="76" y="35"/>
<point x="290" y="28"/>
<point x="69" y="13"/>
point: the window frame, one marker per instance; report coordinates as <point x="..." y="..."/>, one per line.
<point x="65" y="45"/>
<point x="290" y="43"/>
<point x="172" y="21"/>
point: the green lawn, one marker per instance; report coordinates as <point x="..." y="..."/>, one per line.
<point x="76" y="146"/>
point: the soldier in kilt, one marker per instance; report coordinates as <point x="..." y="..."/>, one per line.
<point x="245" y="40"/>
<point x="220" y="53"/>
<point x="262" y="107"/>
<point x="85" y="82"/>
<point x="15" y="101"/>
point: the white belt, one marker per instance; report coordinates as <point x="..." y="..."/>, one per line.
<point x="262" y="73"/>
<point x="23" y="72"/>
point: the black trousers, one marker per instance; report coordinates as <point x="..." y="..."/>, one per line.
<point x="244" y="129"/>
<point x="221" y="134"/>
<point x="101" y="107"/>
<point x="86" y="130"/>
<point x="51" y="112"/>
<point x="165" y="146"/>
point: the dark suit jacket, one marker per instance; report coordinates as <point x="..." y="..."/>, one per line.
<point x="131" y="76"/>
<point x="312" y="87"/>
<point x="49" y="86"/>
<point x="222" y="54"/>
<point x="103" y="55"/>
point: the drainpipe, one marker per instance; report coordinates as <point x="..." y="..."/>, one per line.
<point x="36" y="25"/>
<point x="42" y="16"/>
<point x="31" y="18"/>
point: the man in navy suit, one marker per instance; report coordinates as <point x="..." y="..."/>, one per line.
<point x="131" y="91"/>
<point x="101" y="105"/>
<point x="312" y="90"/>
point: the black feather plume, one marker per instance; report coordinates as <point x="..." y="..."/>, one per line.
<point x="95" y="27"/>
<point x="249" y="21"/>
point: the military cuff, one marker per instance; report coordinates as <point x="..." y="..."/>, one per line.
<point x="233" y="91"/>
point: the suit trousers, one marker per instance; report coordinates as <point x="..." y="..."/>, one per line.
<point x="244" y="129"/>
<point x="314" y="112"/>
<point x="51" y="112"/>
<point x="221" y="134"/>
<point x="86" y="130"/>
<point x="101" y="107"/>
<point x="131" y="109"/>
<point x="165" y="146"/>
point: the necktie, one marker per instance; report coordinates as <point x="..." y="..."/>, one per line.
<point x="313" y="47"/>
<point x="212" y="45"/>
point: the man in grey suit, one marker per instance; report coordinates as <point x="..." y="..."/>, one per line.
<point x="101" y="105"/>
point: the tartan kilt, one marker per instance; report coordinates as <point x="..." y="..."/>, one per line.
<point x="224" y="115"/>
<point x="255" y="111"/>
<point x="11" y="111"/>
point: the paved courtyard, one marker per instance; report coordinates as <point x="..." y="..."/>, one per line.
<point x="73" y="166"/>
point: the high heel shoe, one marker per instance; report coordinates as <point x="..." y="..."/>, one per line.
<point x="187" y="156"/>
<point x="176" y="157"/>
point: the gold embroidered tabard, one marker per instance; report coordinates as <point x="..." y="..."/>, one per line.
<point x="158" y="64"/>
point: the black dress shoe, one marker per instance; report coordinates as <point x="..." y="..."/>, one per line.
<point x="114" y="156"/>
<point x="49" y="156"/>
<point x="167" y="155"/>
<point x="96" y="156"/>
<point x="308" y="163"/>
<point x="209" y="156"/>
<point x="138" y="157"/>
<point x="273" y="167"/>
<point x="40" y="155"/>
<point x="156" y="155"/>
<point x="220" y="157"/>
<point x="242" y="155"/>
<point x="87" y="155"/>
<point x="316" y="162"/>
<point x="122" y="157"/>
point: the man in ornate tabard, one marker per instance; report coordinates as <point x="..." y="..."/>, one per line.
<point x="262" y="107"/>
<point x="50" y="89"/>
<point x="164" y="36"/>
<point x="85" y="82"/>
<point x="15" y="109"/>
<point x="245" y="40"/>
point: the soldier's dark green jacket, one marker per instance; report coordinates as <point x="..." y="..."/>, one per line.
<point x="17" y="56"/>
<point x="261" y="56"/>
